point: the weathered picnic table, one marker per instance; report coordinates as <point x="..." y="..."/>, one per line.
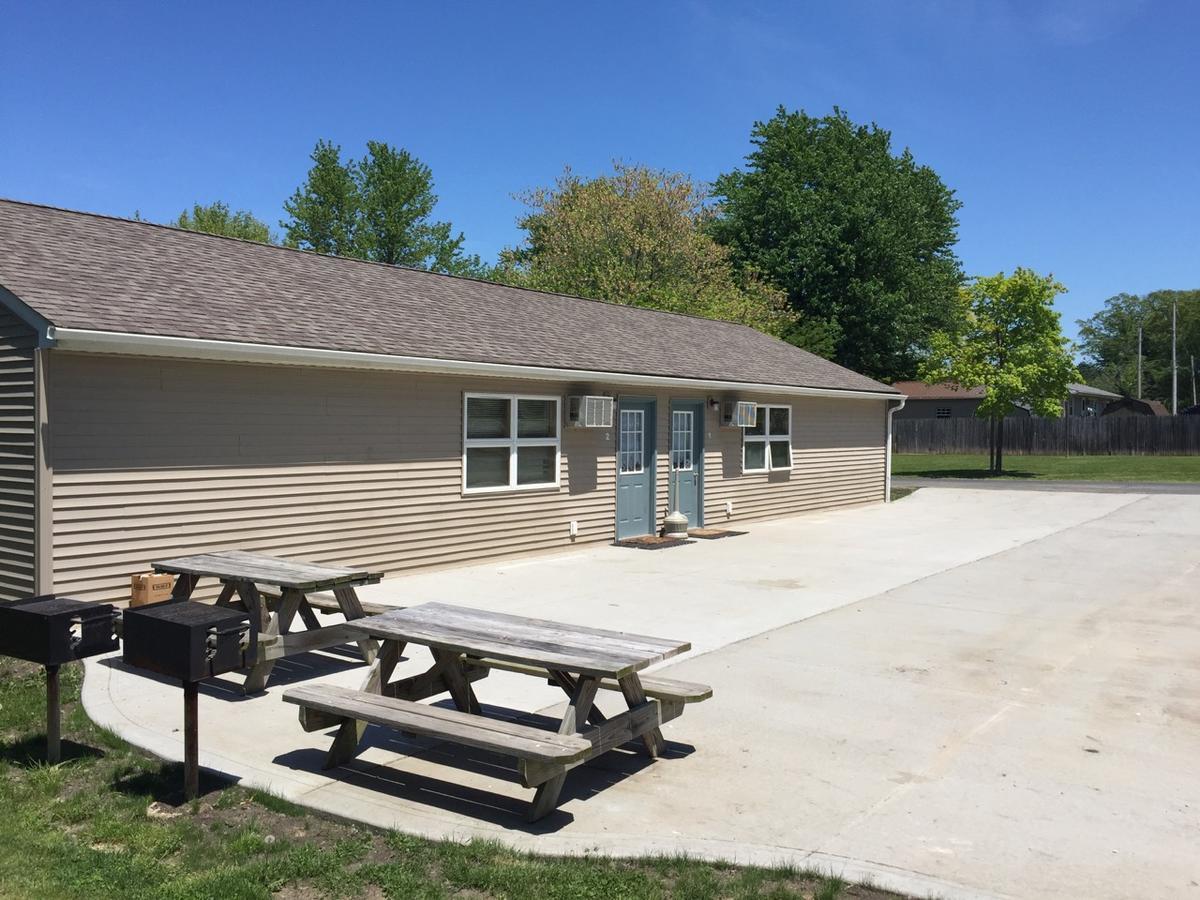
<point x="466" y="645"/>
<point x="243" y="574"/>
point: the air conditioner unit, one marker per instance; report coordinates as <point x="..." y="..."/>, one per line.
<point x="590" y="411"/>
<point x="738" y="413"/>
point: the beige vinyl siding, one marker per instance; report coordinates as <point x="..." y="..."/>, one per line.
<point x="18" y="473"/>
<point x="155" y="458"/>
<point x="838" y="459"/>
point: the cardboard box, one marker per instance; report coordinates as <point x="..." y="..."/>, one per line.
<point x="149" y="587"/>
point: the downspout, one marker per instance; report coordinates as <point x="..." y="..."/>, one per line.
<point x="887" y="479"/>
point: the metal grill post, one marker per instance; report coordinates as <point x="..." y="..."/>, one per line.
<point x="191" y="740"/>
<point x="53" y="718"/>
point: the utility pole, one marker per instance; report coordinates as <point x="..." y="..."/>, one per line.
<point x="1194" y="379"/>
<point x="1174" y="364"/>
<point x="1139" y="362"/>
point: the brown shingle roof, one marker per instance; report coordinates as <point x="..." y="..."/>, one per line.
<point x="942" y="390"/>
<point x="81" y="270"/>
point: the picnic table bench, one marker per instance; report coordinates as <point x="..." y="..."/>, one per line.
<point x="467" y="644"/>
<point x="243" y="576"/>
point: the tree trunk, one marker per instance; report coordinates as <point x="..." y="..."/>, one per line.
<point x="1000" y="445"/>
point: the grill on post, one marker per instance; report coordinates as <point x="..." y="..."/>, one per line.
<point x="51" y="631"/>
<point x="191" y="642"/>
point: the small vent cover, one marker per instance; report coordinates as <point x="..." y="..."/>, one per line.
<point x="590" y="411"/>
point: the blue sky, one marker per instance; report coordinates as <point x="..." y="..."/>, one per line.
<point x="1070" y="129"/>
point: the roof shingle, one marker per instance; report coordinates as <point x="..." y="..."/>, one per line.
<point x="86" y="271"/>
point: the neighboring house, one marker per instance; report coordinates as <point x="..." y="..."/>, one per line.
<point x="1084" y="400"/>
<point x="947" y="400"/>
<point x="941" y="400"/>
<point x="1128" y="406"/>
<point x="168" y="392"/>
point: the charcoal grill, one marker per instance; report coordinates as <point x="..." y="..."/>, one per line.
<point x="50" y="631"/>
<point x="189" y="641"/>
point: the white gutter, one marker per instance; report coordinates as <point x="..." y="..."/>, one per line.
<point x="887" y="478"/>
<point x="87" y="341"/>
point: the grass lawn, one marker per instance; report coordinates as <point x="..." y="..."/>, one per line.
<point x="107" y="823"/>
<point x="1072" y="468"/>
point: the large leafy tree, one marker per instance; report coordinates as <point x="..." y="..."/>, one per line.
<point x="325" y="209"/>
<point x="860" y="238"/>
<point x="636" y="236"/>
<point x="1109" y="343"/>
<point x="378" y="208"/>
<point x="1008" y="340"/>
<point x="216" y="218"/>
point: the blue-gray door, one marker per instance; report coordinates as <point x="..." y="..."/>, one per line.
<point x="635" y="468"/>
<point x="687" y="459"/>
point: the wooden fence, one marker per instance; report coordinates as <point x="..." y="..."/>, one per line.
<point x="1068" y="436"/>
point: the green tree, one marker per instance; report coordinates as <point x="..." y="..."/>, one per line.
<point x="1009" y="341"/>
<point x="636" y="236"/>
<point x="378" y="208"/>
<point x="859" y="238"/>
<point x="324" y="210"/>
<point x="216" y="218"/>
<point x="1108" y="342"/>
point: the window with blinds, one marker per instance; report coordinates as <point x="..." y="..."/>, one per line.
<point x="510" y="442"/>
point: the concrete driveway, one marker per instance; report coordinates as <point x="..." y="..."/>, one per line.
<point x="965" y="693"/>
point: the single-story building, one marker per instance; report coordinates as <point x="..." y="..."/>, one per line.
<point x="1085" y="400"/>
<point x="942" y="400"/>
<point x="947" y="400"/>
<point x="168" y="392"/>
<point x="1131" y="406"/>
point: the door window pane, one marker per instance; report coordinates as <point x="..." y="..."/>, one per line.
<point x="487" y="467"/>
<point x="488" y="417"/>
<point x="535" y="465"/>
<point x="781" y="454"/>
<point x="681" y="440"/>
<point x="630" y="446"/>
<point x="756" y="455"/>
<point x="536" y="419"/>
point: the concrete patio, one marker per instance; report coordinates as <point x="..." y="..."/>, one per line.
<point x="967" y="693"/>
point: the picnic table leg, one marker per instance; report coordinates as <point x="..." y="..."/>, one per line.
<point x="350" y="731"/>
<point x="345" y="743"/>
<point x="307" y="614"/>
<point x="635" y="695"/>
<point x="228" y="589"/>
<point x="546" y="798"/>
<point x="184" y="585"/>
<point x="565" y="681"/>
<point x="277" y="624"/>
<point x="461" y="692"/>
<point x="385" y="664"/>
<point x="260" y="615"/>
<point x="347" y="599"/>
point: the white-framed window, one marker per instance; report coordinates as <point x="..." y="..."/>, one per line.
<point x="510" y="442"/>
<point x="767" y="444"/>
<point x="941" y="412"/>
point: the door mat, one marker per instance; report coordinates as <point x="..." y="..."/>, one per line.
<point x="652" y="542"/>
<point x="713" y="534"/>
